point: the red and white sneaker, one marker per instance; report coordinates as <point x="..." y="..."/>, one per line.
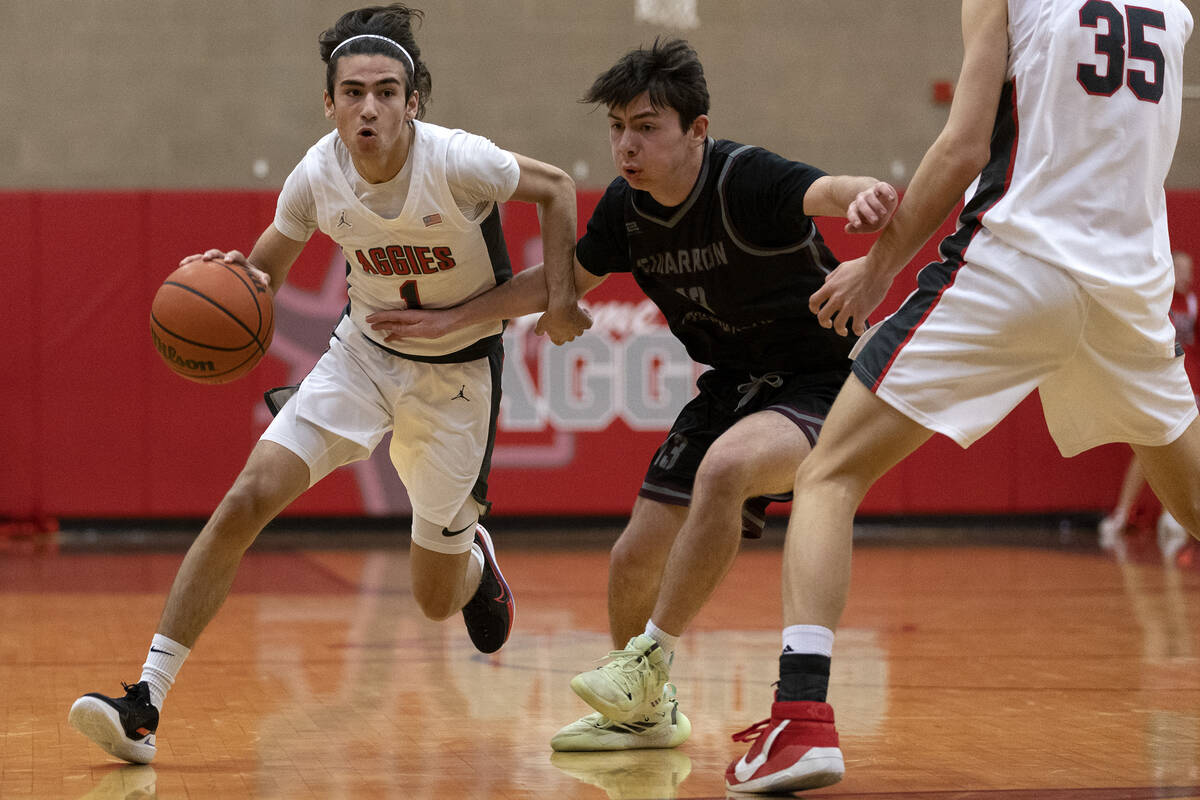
<point x="797" y="748"/>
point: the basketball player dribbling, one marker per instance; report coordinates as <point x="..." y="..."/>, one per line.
<point x="413" y="207"/>
<point x="1058" y="278"/>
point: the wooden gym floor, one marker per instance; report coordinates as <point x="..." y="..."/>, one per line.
<point x="984" y="663"/>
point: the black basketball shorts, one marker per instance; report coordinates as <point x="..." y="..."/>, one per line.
<point x="726" y="396"/>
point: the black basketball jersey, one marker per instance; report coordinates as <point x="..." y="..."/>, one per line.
<point x="732" y="267"/>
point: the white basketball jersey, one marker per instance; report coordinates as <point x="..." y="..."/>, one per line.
<point x="431" y="256"/>
<point x="1084" y="138"/>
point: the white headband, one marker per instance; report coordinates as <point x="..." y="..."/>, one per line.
<point x="375" y="36"/>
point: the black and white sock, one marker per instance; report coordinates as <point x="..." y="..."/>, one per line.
<point x="804" y="663"/>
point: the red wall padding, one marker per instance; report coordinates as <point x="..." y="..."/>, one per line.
<point x="92" y="424"/>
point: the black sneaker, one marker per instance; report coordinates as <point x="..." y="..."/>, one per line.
<point x="124" y="726"/>
<point x="489" y="613"/>
<point x="277" y="397"/>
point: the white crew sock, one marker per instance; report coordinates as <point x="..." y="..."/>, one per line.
<point x="665" y="640"/>
<point x="165" y="658"/>
<point x="808" y="639"/>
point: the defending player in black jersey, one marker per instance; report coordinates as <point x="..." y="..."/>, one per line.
<point x="720" y="237"/>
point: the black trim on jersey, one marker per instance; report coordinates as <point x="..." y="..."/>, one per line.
<point x="480" y="349"/>
<point x="493" y="237"/>
<point x="877" y="356"/>
<point x="741" y="241"/>
<point x="697" y="189"/>
<point x="479" y="492"/>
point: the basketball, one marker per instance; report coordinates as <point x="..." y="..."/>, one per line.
<point x="210" y="322"/>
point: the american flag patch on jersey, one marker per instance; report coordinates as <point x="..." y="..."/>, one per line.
<point x="432" y="219"/>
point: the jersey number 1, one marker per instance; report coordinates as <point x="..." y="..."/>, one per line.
<point x="408" y="291"/>
<point x="1113" y="46"/>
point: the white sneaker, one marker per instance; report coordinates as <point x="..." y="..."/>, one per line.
<point x="1171" y="536"/>
<point x="628" y="686"/>
<point x="666" y="726"/>
<point x="1110" y="529"/>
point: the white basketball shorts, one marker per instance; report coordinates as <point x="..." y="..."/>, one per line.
<point x="972" y="341"/>
<point x="442" y="417"/>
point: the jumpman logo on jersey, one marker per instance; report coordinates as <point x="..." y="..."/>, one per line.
<point x="461" y="394"/>
<point x="343" y="222"/>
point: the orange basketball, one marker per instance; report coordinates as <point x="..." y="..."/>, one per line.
<point x="211" y="323"/>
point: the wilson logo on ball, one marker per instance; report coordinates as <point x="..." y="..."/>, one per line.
<point x="179" y="362"/>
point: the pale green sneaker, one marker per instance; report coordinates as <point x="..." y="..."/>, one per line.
<point x="630" y="685"/>
<point x="665" y="726"/>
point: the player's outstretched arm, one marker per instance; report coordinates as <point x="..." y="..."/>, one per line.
<point x="866" y="203"/>
<point x="554" y="192"/>
<point x="853" y="290"/>
<point x="525" y="294"/>
<point x="269" y="262"/>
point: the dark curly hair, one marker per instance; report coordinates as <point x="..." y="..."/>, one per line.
<point x="394" y="22"/>
<point x="670" y="71"/>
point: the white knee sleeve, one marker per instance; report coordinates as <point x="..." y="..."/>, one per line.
<point x="454" y="538"/>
